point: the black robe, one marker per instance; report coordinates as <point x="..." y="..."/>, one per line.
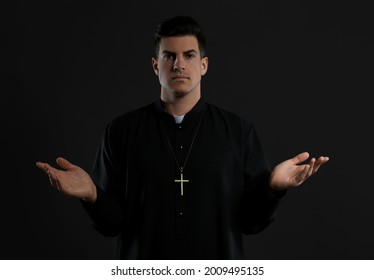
<point x="138" y="199"/>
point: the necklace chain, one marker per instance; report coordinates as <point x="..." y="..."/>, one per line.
<point x="181" y="168"/>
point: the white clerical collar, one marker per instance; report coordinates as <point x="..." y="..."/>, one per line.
<point x="179" y="119"/>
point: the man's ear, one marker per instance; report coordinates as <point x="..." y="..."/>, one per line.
<point x="155" y="65"/>
<point x="204" y="66"/>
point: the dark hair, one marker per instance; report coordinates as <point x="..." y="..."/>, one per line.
<point x="179" y="26"/>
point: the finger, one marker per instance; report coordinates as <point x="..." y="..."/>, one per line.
<point x="317" y="165"/>
<point x="42" y="166"/>
<point x="324" y="159"/>
<point x="54" y="182"/>
<point x="302" y="176"/>
<point x="321" y="160"/>
<point x="52" y="173"/>
<point x="312" y="164"/>
<point x="50" y="180"/>
<point x="49" y="169"/>
<point x="65" y="164"/>
<point x="45" y="167"/>
<point x="300" y="158"/>
<point x="57" y="185"/>
<point x="56" y="176"/>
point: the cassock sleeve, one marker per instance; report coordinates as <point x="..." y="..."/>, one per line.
<point x="259" y="203"/>
<point x="107" y="212"/>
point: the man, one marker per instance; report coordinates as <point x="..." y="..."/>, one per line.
<point x="181" y="178"/>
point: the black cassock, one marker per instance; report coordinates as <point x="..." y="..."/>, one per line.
<point x="226" y="195"/>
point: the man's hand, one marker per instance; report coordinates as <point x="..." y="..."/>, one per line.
<point x="291" y="173"/>
<point x="72" y="181"/>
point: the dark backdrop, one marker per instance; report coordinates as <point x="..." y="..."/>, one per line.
<point x="300" y="71"/>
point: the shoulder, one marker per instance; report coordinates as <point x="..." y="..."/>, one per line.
<point x="229" y="117"/>
<point x="130" y="120"/>
<point x="133" y="116"/>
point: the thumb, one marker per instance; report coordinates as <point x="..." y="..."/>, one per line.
<point x="300" y="158"/>
<point x="64" y="163"/>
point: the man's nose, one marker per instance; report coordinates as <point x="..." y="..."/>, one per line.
<point x="179" y="64"/>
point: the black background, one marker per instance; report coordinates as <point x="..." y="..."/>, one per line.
<point x="300" y="71"/>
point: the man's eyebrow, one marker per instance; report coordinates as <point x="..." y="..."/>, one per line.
<point x="189" y="51"/>
<point x="167" y="52"/>
<point x="170" y="52"/>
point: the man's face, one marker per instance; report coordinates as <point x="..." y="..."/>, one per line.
<point x="179" y="66"/>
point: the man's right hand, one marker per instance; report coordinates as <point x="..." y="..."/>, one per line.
<point x="72" y="180"/>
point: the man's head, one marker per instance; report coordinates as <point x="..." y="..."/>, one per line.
<point x="180" y="59"/>
<point x="180" y="26"/>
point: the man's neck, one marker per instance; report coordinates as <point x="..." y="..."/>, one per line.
<point x="178" y="106"/>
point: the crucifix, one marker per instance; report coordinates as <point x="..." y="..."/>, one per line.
<point x="181" y="181"/>
<point x="181" y="168"/>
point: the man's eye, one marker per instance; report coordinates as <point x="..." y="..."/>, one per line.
<point x="190" y="55"/>
<point x="167" y="56"/>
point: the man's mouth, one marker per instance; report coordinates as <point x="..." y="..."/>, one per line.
<point x="179" y="77"/>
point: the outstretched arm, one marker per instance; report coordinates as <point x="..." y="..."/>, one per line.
<point x="292" y="173"/>
<point x="72" y="180"/>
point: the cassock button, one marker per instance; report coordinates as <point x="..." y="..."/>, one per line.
<point x="181" y="237"/>
<point x="180" y="214"/>
<point x="179" y="126"/>
<point x="180" y="147"/>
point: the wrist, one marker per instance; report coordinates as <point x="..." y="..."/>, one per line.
<point x="91" y="198"/>
<point x="273" y="186"/>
